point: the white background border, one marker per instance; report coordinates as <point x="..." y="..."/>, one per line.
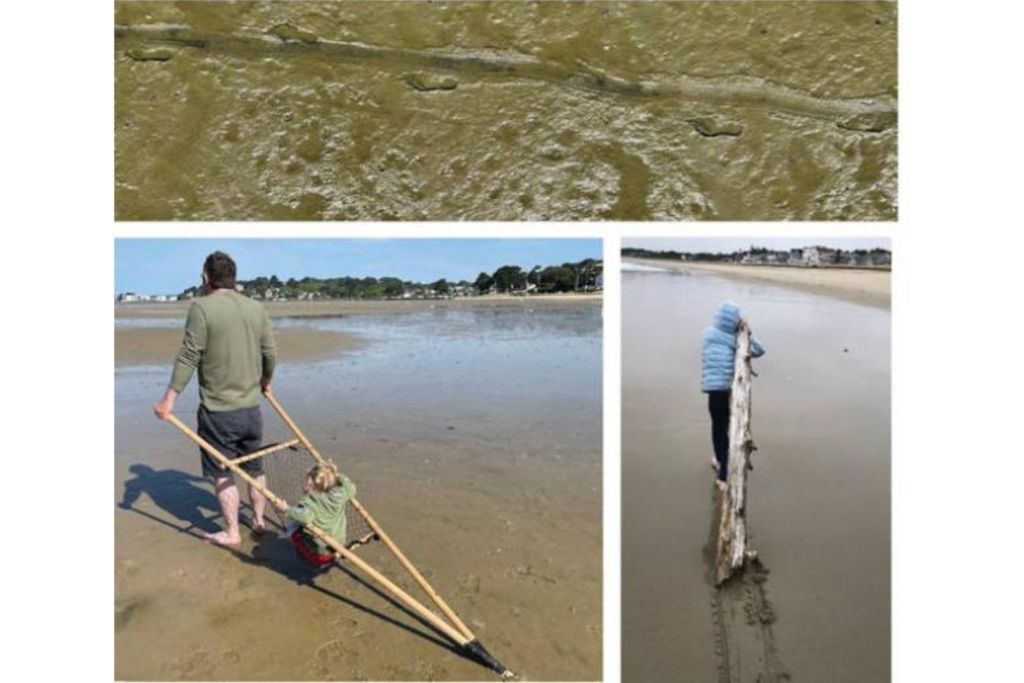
<point x="958" y="462"/>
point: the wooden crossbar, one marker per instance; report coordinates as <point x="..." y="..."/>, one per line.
<point x="362" y="540"/>
<point x="266" y="451"/>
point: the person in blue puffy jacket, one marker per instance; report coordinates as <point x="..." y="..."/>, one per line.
<point x="718" y="355"/>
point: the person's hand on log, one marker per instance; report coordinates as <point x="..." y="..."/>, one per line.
<point x="265" y="386"/>
<point x="165" y="406"/>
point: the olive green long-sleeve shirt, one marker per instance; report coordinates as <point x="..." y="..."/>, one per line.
<point x="228" y="339"/>
<point x="327" y="511"/>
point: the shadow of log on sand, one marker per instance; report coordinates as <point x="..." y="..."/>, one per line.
<point x="742" y="616"/>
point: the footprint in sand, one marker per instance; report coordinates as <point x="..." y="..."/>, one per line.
<point x="195" y="664"/>
<point x="333" y="659"/>
<point x="126" y="609"/>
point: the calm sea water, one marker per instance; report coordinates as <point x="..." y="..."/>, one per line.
<point x="524" y="378"/>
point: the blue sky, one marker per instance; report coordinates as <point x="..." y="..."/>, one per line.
<point x="167" y="266"/>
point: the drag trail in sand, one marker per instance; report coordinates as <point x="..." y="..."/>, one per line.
<point x="818" y="608"/>
<point x="505" y="111"/>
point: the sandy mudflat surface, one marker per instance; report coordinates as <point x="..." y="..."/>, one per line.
<point x="160" y="345"/>
<point x="298" y="309"/>
<point x="505" y="110"/>
<point x="867" y="286"/>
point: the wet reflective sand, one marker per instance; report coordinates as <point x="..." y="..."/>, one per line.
<point x="474" y="436"/>
<point x="506" y="110"/>
<point x="818" y="496"/>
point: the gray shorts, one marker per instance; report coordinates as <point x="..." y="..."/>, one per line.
<point x="233" y="433"/>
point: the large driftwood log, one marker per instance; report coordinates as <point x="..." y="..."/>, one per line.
<point x="732" y="530"/>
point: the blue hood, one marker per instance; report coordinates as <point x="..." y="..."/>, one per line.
<point x="727" y="318"/>
<point x="718" y="348"/>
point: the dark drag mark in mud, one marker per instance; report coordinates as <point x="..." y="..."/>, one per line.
<point x="742" y="618"/>
<point x="871" y="113"/>
<point x="505" y="111"/>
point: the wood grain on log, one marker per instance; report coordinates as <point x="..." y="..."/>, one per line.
<point x="732" y="531"/>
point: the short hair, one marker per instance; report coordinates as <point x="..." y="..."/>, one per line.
<point x="220" y="270"/>
<point x="325" y="476"/>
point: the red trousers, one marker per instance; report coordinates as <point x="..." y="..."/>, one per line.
<point x="309" y="555"/>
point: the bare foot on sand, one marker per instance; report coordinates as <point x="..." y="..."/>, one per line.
<point x="258" y="527"/>
<point x="224" y="538"/>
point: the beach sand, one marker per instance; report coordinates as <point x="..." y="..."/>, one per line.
<point x="872" y="287"/>
<point x="340" y="307"/>
<point x="818" y="497"/>
<point x="146" y="346"/>
<point x="159" y="343"/>
<point x="481" y="459"/>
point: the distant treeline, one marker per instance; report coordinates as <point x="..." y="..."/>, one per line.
<point x="581" y="276"/>
<point x="677" y="255"/>
<point x="803" y="256"/>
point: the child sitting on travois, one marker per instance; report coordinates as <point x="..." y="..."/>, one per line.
<point x="327" y="492"/>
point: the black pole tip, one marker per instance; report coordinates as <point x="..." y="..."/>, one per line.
<point x="480" y="653"/>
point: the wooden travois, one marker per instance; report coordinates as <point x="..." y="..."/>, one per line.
<point x="453" y="628"/>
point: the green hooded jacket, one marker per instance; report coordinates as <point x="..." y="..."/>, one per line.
<point x="326" y="510"/>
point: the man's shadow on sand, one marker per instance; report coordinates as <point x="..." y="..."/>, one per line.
<point x="178" y="493"/>
<point x="189" y="499"/>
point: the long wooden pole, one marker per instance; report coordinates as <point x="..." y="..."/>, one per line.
<point x="385" y="539"/>
<point x="732" y="532"/>
<point x="272" y="400"/>
<point x="419" y="578"/>
<point x="339" y="548"/>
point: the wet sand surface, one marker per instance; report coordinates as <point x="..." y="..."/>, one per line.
<point x="474" y="437"/>
<point x="818" y="497"/>
<point x="872" y="287"/>
<point x="506" y="110"/>
<point x="342" y="307"/>
<point x="159" y="345"/>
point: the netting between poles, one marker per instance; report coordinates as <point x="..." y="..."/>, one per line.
<point x="286" y="473"/>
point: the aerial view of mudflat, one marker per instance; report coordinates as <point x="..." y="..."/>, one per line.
<point x="505" y="111"/>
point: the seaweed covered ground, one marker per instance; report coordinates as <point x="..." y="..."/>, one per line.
<point x="505" y="110"/>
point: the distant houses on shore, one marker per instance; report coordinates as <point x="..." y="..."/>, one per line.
<point x="812" y="257"/>
<point x="583" y="277"/>
<point x="133" y="298"/>
<point x="818" y="256"/>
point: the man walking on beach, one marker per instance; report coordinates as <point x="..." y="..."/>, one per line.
<point x="228" y="339"/>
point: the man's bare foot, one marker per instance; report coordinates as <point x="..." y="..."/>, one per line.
<point x="258" y="528"/>
<point x="224" y="538"/>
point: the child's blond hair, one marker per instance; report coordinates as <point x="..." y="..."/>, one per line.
<point x="325" y="476"/>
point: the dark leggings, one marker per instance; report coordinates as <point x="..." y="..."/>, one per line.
<point x="718" y="406"/>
